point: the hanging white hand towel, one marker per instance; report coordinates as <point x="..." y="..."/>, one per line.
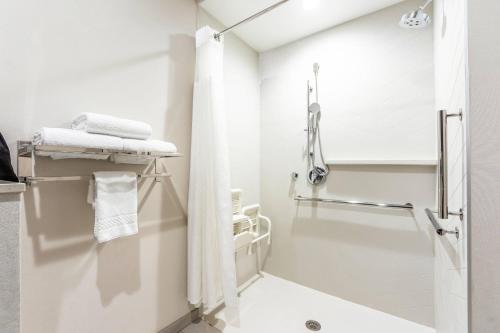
<point x="115" y="205"/>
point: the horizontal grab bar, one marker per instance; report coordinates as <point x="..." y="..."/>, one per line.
<point x="355" y="203"/>
<point x="439" y="229"/>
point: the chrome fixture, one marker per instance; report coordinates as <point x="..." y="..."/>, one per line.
<point x="443" y="211"/>
<point x="443" y="116"/>
<point x="250" y="18"/>
<point x="407" y="206"/>
<point x="31" y="180"/>
<point x="416" y="19"/>
<point x="439" y="229"/>
<point x="316" y="173"/>
<point x="313" y="325"/>
<point x="27" y="152"/>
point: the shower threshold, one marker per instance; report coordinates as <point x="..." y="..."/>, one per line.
<point x="275" y="305"/>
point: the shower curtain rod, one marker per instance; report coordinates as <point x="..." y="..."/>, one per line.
<point x="254" y="16"/>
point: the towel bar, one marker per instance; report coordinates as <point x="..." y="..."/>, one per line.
<point x="32" y="180"/>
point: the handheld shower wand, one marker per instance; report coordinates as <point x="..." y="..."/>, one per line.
<point x="316" y="174"/>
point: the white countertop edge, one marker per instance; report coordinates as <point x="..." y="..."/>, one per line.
<point x="11" y="187"/>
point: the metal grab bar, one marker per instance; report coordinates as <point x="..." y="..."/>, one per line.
<point x="439" y="229"/>
<point x="407" y="206"/>
<point x="443" y="162"/>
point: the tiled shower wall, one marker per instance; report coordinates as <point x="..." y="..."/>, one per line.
<point x="451" y="92"/>
<point x="378" y="258"/>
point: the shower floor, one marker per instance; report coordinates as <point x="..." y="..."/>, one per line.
<point x="275" y="305"/>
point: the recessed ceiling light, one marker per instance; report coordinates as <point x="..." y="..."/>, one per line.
<point x="310" y="4"/>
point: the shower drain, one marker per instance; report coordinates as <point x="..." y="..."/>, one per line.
<point x="313" y="325"/>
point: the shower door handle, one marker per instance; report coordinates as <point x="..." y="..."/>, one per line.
<point x="442" y="210"/>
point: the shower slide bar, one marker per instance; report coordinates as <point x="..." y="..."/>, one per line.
<point x="406" y="206"/>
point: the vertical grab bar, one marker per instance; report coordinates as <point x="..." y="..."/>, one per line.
<point x="442" y="210"/>
<point x="442" y="165"/>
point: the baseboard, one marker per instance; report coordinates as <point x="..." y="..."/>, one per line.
<point x="182" y="322"/>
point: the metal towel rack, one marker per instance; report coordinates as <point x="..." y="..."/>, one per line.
<point x="31" y="180"/>
<point x="439" y="229"/>
<point x="26" y="152"/>
<point x="406" y="206"/>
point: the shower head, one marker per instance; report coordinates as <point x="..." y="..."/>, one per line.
<point x="314" y="108"/>
<point x="416" y="19"/>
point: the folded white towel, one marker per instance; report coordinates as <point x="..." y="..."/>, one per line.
<point x="115" y="205"/>
<point x="109" y="125"/>
<point x="75" y="138"/>
<point x="149" y="146"/>
<point x="131" y="159"/>
<point x="64" y="156"/>
<point x="72" y="138"/>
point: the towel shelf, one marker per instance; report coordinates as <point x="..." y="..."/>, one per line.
<point x="27" y="149"/>
<point x="26" y="152"/>
<point x="407" y="206"/>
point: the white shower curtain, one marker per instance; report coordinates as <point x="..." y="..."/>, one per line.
<point x="211" y="264"/>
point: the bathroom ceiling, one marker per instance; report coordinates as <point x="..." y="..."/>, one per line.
<point x="291" y="21"/>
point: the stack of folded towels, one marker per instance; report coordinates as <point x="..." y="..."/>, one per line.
<point x="91" y="130"/>
<point x="114" y="194"/>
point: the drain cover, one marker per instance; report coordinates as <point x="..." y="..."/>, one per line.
<point x="313" y="325"/>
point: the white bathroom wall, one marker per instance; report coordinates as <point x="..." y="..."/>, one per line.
<point x="376" y="88"/>
<point x="484" y="122"/>
<point x="451" y="95"/>
<point x="129" y="58"/>
<point x="360" y="64"/>
<point x="242" y="99"/>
